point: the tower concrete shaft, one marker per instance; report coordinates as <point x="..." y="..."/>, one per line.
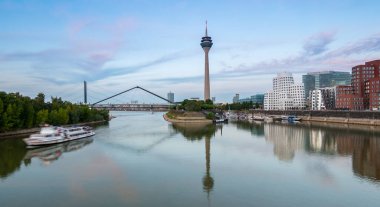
<point x="207" y="75"/>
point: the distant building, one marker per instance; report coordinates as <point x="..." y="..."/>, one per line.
<point x="244" y="100"/>
<point x="235" y="98"/>
<point x="171" y="96"/>
<point x="213" y="99"/>
<point x="258" y="98"/>
<point x="285" y="95"/>
<point x="317" y="80"/>
<point x="194" y="98"/>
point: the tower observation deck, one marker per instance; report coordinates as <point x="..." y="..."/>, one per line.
<point x="206" y="44"/>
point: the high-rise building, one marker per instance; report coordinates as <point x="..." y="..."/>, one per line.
<point x="206" y="44"/>
<point x="235" y="99"/>
<point x="285" y="95"/>
<point x="364" y="91"/>
<point x="316" y="80"/>
<point x="213" y="99"/>
<point x="171" y="96"/>
<point x="364" y="77"/>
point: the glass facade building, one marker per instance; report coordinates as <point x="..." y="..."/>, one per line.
<point x="258" y="98"/>
<point x="317" y="80"/>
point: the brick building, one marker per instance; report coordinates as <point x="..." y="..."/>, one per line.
<point x="364" y="92"/>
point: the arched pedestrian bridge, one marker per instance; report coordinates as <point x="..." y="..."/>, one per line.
<point x="134" y="107"/>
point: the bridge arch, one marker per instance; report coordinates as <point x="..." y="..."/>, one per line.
<point x="136" y="87"/>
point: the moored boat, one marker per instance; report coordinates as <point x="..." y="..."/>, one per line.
<point x="258" y="117"/>
<point x="268" y="119"/>
<point x="55" y="135"/>
<point x="221" y="120"/>
<point x="292" y="118"/>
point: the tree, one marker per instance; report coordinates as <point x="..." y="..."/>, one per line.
<point x="63" y="116"/>
<point x="1" y="113"/>
<point x="18" y="112"/>
<point x="5" y="125"/>
<point x="39" y="101"/>
<point x="42" y="117"/>
<point x="1" y="107"/>
<point x="29" y="116"/>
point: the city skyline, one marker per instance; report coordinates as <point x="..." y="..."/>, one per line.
<point x="53" y="46"/>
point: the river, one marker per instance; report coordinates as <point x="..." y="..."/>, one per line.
<point x="139" y="159"/>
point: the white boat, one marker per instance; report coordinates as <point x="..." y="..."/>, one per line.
<point x="284" y="117"/>
<point x="78" y="132"/>
<point x="54" y="135"/>
<point x="220" y="120"/>
<point x="268" y="119"/>
<point x="258" y="118"/>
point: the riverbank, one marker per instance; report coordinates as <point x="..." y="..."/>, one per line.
<point x="371" y="118"/>
<point x="340" y="120"/>
<point x="187" y="117"/>
<point x="27" y="132"/>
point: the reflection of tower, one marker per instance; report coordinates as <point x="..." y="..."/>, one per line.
<point x="208" y="181"/>
<point x="206" y="44"/>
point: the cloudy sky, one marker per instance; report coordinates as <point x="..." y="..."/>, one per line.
<point x="53" y="46"/>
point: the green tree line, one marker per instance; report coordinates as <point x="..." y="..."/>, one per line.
<point x="195" y="105"/>
<point x="23" y="112"/>
<point x="241" y="106"/>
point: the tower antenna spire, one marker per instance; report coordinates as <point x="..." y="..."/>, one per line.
<point x="206" y="29"/>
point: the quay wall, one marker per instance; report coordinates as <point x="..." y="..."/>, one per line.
<point x="346" y="117"/>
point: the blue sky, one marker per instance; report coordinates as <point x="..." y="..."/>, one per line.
<point x="52" y="46"/>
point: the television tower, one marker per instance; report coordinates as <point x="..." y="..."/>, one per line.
<point x="206" y="44"/>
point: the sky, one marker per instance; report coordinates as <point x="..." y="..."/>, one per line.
<point x="53" y="46"/>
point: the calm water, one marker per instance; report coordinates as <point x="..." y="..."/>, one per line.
<point x="141" y="160"/>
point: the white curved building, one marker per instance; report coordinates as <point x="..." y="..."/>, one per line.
<point x="285" y="95"/>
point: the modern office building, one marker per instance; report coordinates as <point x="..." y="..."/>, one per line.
<point x="317" y="80"/>
<point x="206" y="44"/>
<point x="285" y="95"/>
<point x="323" y="99"/>
<point x="171" y="96"/>
<point x="258" y="98"/>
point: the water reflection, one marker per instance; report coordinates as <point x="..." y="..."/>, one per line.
<point x="197" y="131"/>
<point x="13" y="153"/>
<point x="255" y="127"/>
<point x="360" y="142"/>
<point x="52" y="153"/>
